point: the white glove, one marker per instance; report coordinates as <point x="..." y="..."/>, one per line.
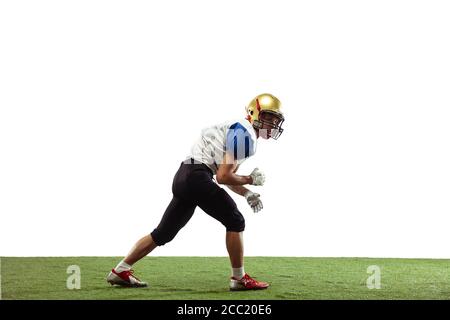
<point x="254" y="201"/>
<point x="258" y="177"/>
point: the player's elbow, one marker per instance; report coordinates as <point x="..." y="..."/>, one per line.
<point x="222" y="178"/>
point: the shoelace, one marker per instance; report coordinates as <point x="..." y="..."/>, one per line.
<point x="130" y="273"/>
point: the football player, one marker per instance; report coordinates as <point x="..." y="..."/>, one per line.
<point x="219" y="151"/>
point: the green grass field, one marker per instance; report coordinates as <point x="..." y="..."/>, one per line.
<point x="207" y="278"/>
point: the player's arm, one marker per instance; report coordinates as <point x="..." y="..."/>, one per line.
<point x="240" y="190"/>
<point x="226" y="174"/>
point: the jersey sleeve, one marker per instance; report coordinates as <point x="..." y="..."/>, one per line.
<point x="239" y="142"/>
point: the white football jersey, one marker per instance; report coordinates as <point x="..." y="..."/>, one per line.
<point x="237" y="137"/>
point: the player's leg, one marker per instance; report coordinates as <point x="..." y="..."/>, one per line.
<point x="177" y="214"/>
<point x="222" y="207"/>
<point x="235" y="248"/>
<point x="142" y="248"/>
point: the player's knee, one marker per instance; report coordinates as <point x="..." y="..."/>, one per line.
<point x="237" y="224"/>
<point x="161" y="238"/>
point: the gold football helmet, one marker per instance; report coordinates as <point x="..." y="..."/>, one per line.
<point x="265" y="109"/>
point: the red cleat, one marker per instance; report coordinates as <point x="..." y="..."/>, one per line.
<point x="247" y="283"/>
<point x="125" y="279"/>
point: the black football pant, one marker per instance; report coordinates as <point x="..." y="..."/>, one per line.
<point x="193" y="186"/>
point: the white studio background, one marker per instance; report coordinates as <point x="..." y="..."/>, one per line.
<point x="101" y="100"/>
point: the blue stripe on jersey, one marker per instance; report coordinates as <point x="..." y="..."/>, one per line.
<point x="239" y="140"/>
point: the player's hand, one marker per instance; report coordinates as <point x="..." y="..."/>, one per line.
<point x="258" y="177"/>
<point x="254" y="201"/>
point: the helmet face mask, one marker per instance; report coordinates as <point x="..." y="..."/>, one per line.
<point x="271" y="122"/>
